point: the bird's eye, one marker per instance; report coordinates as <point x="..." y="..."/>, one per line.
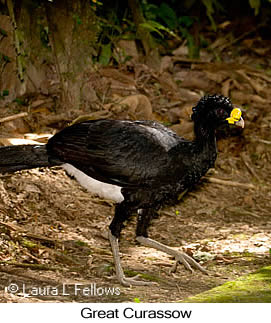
<point x="220" y="112"/>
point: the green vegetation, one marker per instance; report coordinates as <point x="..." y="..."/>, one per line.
<point x="252" y="288"/>
<point x="151" y="23"/>
<point x="3" y="94"/>
<point x="132" y="273"/>
<point x="157" y="21"/>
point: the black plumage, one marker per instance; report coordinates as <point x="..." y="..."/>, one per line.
<point x="150" y="163"/>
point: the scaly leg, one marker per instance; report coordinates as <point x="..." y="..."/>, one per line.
<point x="125" y="281"/>
<point x="181" y="257"/>
<point x="122" y="213"/>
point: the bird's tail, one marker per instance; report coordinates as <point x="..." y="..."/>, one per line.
<point x="14" y="158"/>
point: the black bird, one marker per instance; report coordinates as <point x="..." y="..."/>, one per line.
<point x="140" y="164"/>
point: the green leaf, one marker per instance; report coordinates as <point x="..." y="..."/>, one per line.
<point x="19" y="101"/>
<point x="186" y="21"/>
<point x="168" y="15"/>
<point x="5" y="92"/>
<point x="5" y="58"/>
<point x="209" y="4"/>
<point x="77" y="19"/>
<point x="154" y="26"/>
<point x="255" y="4"/>
<point x="105" y="55"/>
<point x="3" y="32"/>
<point x="151" y="11"/>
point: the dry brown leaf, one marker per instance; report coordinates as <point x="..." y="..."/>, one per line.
<point x="166" y="64"/>
<point x="117" y="76"/>
<point x="225" y="89"/>
<point x="167" y="82"/>
<point x="137" y="107"/>
<point x="198" y="80"/>
<point x="218" y="77"/>
<point x="253" y="83"/>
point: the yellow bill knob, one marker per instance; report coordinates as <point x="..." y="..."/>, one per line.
<point x="235" y="116"/>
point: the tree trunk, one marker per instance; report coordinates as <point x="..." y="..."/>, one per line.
<point x="48" y="49"/>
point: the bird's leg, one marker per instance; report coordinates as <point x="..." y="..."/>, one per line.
<point x="125" y="281"/>
<point x="115" y="227"/>
<point x="186" y="260"/>
<point x="144" y="219"/>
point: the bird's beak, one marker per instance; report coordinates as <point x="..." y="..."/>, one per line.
<point x="240" y="123"/>
<point x="236" y="118"/>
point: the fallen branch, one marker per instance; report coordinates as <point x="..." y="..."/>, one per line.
<point x="13" y="227"/>
<point x="122" y="88"/>
<point x="264" y="141"/>
<point x="31" y="266"/>
<point x="228" y="183"/>
<point x="13" y="117"/>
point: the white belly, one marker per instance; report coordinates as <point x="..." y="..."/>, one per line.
<point x="104" y="190"/>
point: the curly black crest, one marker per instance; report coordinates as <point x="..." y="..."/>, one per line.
<point x="209" y="103"/>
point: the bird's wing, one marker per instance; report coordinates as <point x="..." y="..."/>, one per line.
<point x="123" y="153"/>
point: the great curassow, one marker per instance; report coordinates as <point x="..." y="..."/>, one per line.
<point x="139" y="164"/>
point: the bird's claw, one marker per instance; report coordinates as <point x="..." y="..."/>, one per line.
<point x="188" y="263"/>
<point x="132" y="281"/>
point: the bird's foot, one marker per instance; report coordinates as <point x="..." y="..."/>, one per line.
<point x="188" y="262"/>
<point x="180" y="257"/>
<point x="133" y="281"/>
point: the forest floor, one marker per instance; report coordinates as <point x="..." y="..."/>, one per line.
<point x="53" y="233"/>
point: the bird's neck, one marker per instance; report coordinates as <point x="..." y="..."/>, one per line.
<point x="204" y="134"/>
<point x="205" y="143"/>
